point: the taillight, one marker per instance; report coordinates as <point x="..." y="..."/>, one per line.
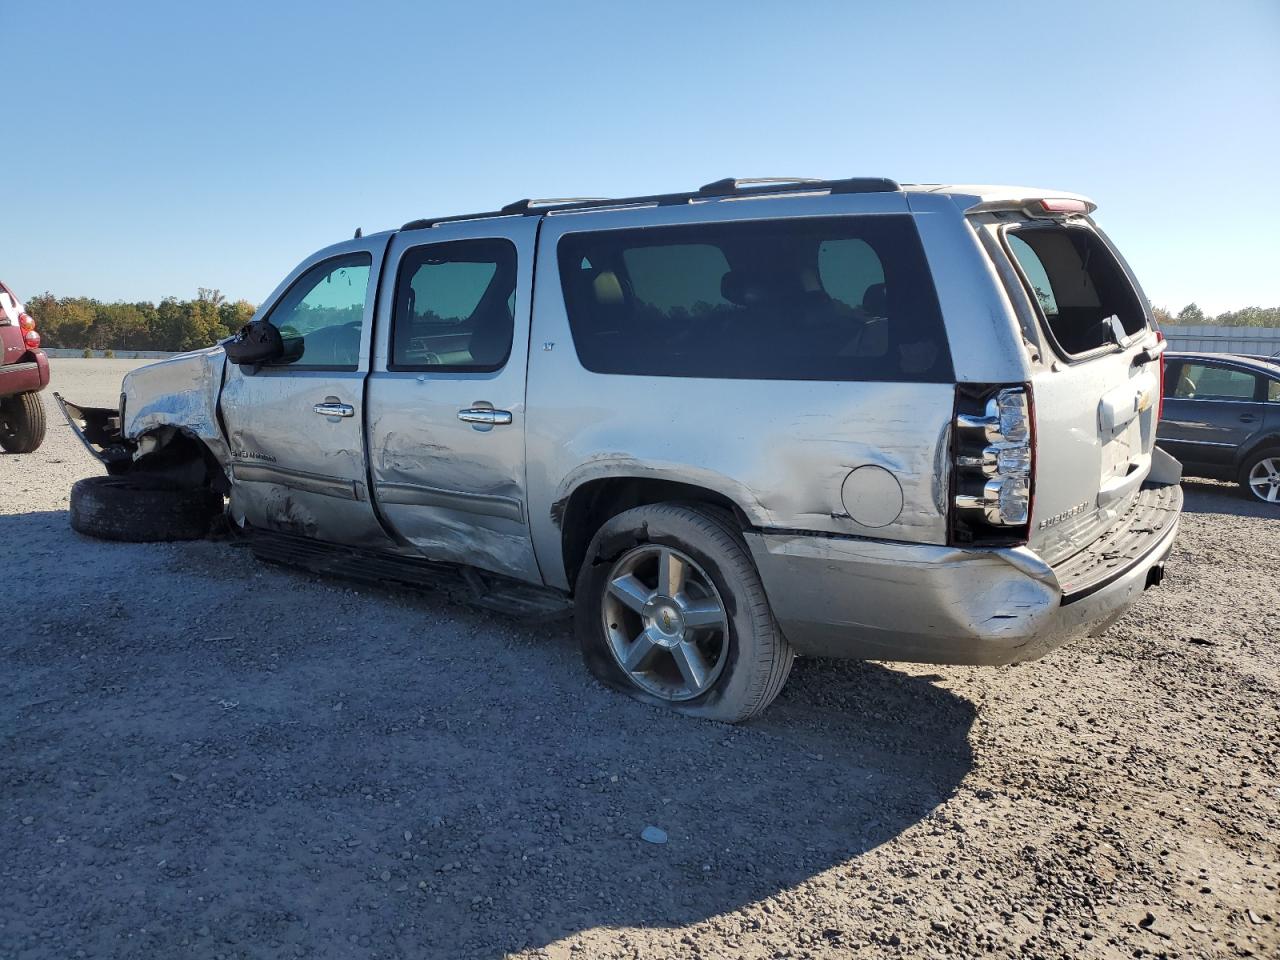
<point x="993" y="464"/>
<point x="27" y="324"/>
<point x="1049" y="206"/>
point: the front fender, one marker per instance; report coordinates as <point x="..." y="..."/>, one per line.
<point x="180" y="392"/>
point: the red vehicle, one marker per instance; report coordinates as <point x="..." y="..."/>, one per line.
<point x="24" y="372"/>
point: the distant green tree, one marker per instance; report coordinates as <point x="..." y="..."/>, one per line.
<point x="174" y="326"/>
<point x="210" y="295"/>
<point x="1191" y="314"/>
<point x="1250" y="317"/>
<point x="122" y="325"/>
<point x="235" y="315"/>
<point x="1163" y="316"/>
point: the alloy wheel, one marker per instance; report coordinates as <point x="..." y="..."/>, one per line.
<point x="665" y="622"/>
<point x="1264" y="480"/>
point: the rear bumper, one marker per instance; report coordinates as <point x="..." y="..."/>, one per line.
<point x="27" y="377"/>
<point x="877" y="600"/>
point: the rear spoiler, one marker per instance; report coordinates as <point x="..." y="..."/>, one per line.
<point x="1040" y="208"/>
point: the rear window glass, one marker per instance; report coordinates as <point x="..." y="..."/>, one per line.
<point x="841" y="298"/>
<point x="1080" y="287"/>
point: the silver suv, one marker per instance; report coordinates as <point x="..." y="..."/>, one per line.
<point x="839" y="418"/>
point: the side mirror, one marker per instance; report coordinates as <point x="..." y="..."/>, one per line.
<point x="255" y="343"/>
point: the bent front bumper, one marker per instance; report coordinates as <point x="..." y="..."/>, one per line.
<point x="98" y="428"/>
<point x="879" y="600"/>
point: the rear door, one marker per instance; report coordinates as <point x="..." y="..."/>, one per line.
<point x="1095" y="394"/>
<point x="447" y="393"/>
<point x="295" y="429"/>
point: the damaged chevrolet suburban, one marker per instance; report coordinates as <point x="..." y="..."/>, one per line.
<point x="834" y="418"/>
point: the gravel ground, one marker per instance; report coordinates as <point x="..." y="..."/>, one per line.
<point x="205" y="756"/>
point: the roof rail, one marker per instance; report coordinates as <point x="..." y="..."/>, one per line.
<point x="728" y="187"/>
<point x="527" y="206"/>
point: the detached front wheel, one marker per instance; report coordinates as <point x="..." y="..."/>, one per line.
<point x="141" y="509"/>
<point x="671" y="610"/>
<point x="22" y="423"/>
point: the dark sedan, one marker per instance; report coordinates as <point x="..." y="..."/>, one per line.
<point x="1221" y="418"/>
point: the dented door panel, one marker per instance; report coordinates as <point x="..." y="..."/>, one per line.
<point x="294" y="467"/>
<point x="446" y="481"/>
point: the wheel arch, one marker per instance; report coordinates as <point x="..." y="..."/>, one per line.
<point x="1247" y="452"/>
<point x="180" y="455"/>
<point x="593" y="502"/>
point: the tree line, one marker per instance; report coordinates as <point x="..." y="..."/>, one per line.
<point x="1247" y="317"/>
<point x="171" y="324"/>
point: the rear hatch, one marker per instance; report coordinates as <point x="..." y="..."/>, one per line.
<point x="1096" y="394"/>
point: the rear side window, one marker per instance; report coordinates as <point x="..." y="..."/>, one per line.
<point x="1079" y="286"/>
<point x="840" y="298"/>
<point x="1203" y="381"/>
<point x="455" y="306"/>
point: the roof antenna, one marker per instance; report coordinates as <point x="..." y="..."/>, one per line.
<point x="359" y="233"/>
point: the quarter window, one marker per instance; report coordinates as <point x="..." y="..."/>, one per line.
<point x="455" y="306"/>
<point x="839" y="298"/>
<point x="321" y="316"/>
<point x="1202" y="381"/>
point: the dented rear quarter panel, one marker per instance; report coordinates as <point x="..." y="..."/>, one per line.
<point x="779" y="450"/>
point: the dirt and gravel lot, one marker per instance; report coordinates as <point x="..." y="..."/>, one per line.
<point x="203" y="756"/>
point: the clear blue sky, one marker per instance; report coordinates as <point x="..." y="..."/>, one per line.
<point x="154" y="148"/>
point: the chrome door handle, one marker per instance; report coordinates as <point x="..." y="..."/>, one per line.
<point x="1248" y="418"/>
<point x="335" y="409"/>
<point x="485" y="415"/>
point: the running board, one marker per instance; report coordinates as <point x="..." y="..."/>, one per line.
<point x="467" y="585"/>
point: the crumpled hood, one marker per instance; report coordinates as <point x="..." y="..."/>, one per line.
<point x="180" y="392"/>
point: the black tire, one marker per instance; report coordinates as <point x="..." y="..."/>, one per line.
<point x="1255" y="458"/>
<point x="758" y="656"/>
<point x="138" y="509"/>
<point x="22" y="423"/>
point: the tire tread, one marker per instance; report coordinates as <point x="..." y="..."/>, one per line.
<point x="773" y="654"/>
<point x="29" y="428"/>
<point x="123" y="508"/>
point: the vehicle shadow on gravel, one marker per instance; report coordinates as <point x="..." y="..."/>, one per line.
<point x="207" y="755"/>
<point x="1209" y="496"/>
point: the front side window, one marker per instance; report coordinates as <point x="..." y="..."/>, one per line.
<point x="1078" y="284"/>
<point x="1273" y="391"/>
<point x="1202" y="381"/>
<point x="455" y="306"/>
<point x="838" y="298"/>
<point x="321" y="316"/>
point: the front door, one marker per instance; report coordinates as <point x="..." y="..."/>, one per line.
<point x="296" y="429"/>
<point x="446" y="395"/>
<point x="1211" y="409"/>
